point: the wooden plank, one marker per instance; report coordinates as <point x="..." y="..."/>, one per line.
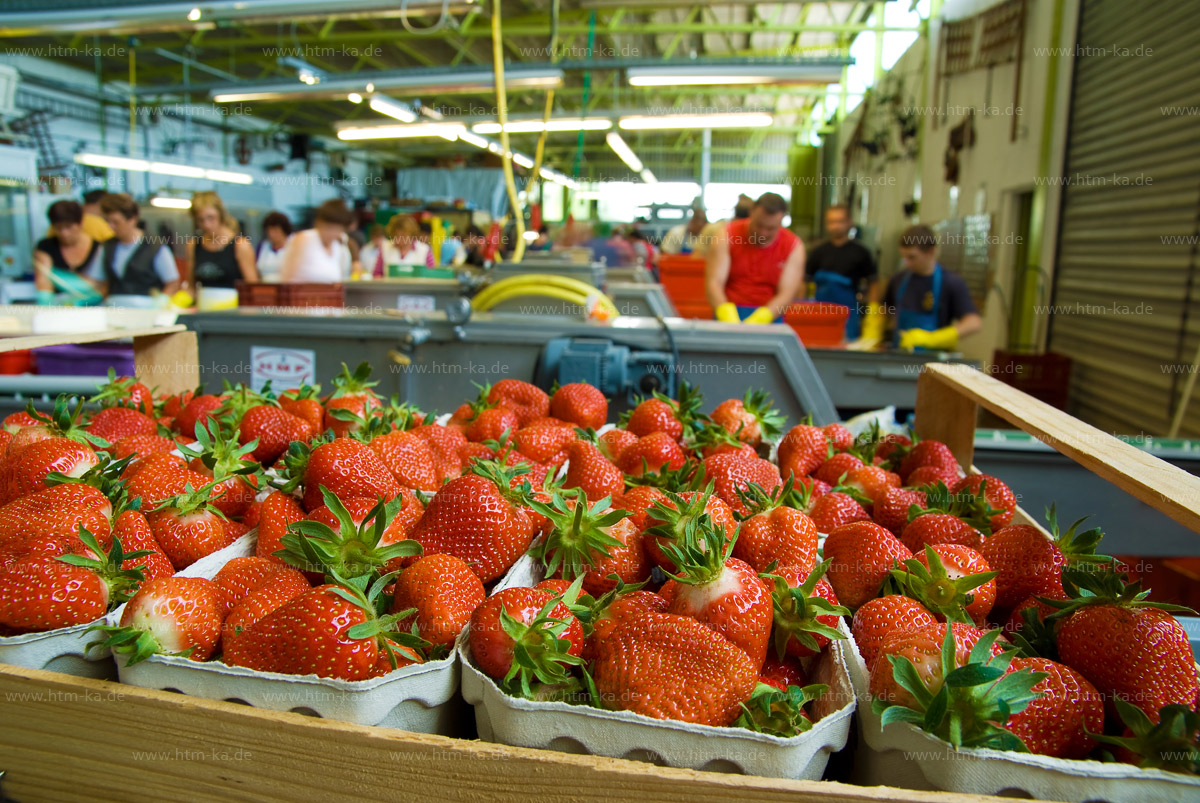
<point x="168" y="362"/>
<point x="39" y="341"/>
<point x="153" y="745"/>
<point x="944" y="414"/>
<point x="1156" y="482"/>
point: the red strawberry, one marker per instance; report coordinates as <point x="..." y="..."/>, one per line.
<point x="776" y="533"/>
<point x="614" y="442"/>
<point x="669" y="520"/>
<point x="782" y="672"/>
<point x="160" y="476"/>
<point x="170" y="616"/>
<point x="26" y="470"/>
<point x="1026" y="561"/>
<point x="802" y="449"/>
<point x="594" y="541"/>
<point x="806" y="611"/>
<point x="940" y="528"/>
<point x="580" y="404"/>
<point x="542" y="443"/>
<point x="243" y="575"/>
<point x="840" y="438"/>
<point x="354" y="537"/>
<point x="142" y="445"/>
<point x="651" y="454"/>
<point x="831" y="470"/>
<point x="173" y="404"/>
<point x="721" y="592"/>
<point x="528" y="401"/>
<point x="444" y="442"/>
<point x="609" y="610"/>
<point x="673" y="667"/>
<point x="874" y="483"/>
<point x="409" y="458"/>
<point x="133" y="531"/>
<point x="492" y="423"/>
<point x="188" y="528"/>
<point x="892" y="509"/>
<point x="260" y="602"/>
<point x="861" y="554"/>
<point x="929" y="453"/>
<point x="478" y="519"/>
<point x="1057" y="724"/>
<point x="56" y="512"/>
<point x="347" y="468"/>
<point x="879" y="617"/>
<point x="923" y="647"/>
<point x="278" y="511"/>
<point x="125" y="391"/>
<point x="955" y="580"/>
<point x="114" y="423"/>
<point x="196" y="411"/>
<point x="637" y="501"/>
<point x="749" y="419"/>
<point x="997" y="494"/>
<point x="444" y="591"/>
<point x="303" y="403"/>
<point x="542" y="624"/>
<point x="655" y="415"/>
<point x="273" y="428"/>
<point x="589" y="471"/>
<point x="352" y="395"/>
<point x="731" y="473"/>
<point x="831" y="510"/>
<point x="929" y="475"/>
<point x="14" y="422"/>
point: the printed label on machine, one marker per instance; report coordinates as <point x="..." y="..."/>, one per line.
<point x="415" y="303"/>
<point x="283" y="368"/>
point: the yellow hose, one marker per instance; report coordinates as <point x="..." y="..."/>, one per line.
<point x="539" y="279"/>
<point x="502" y="115"/>
<point x="602" y="301"/>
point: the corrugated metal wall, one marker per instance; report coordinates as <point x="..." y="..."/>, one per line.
<point x="1125" y="300"/>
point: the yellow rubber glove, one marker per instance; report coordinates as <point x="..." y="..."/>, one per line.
<point x="872" y="329"/>
<point x="760" y="316"/>
<point x="944" y="339"/>
<point x="727" y="313"/>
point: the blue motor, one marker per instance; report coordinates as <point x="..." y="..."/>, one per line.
<point x="621" y="372"/>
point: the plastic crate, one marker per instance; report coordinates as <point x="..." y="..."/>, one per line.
<point x="312" y="295"/>
<point x="16" y="362"/>
<point x="85" y="359"/>
<point x="1044" y="376"/>
<point x="682" y="277"/>
<point x="258" y="294"/>
<point x="817" y="323"/>
<point x="694" y="309"/>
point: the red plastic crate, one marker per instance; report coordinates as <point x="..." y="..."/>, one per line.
<point x="682" y="277"/>
<point x="694" y="309"/>
<point x="817" y="323"/>
<point x="258" y="294"/>
<point x="16" y="362"/>
<point x="305" y="294"/>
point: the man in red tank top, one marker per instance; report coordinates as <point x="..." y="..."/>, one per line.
<point x="756" y="269"/>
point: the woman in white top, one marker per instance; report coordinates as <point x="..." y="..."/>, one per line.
<point x="319" y="254"/>
<point x="378" y="253"/>
<point x="405" y="234"/>
<point x="277" y="233"/>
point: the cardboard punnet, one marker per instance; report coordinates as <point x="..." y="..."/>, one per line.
<point x="906" y="756"/>
<point x="421" y="698"/>
<point x="623" y="734"/>
<point x="62" y="650"/>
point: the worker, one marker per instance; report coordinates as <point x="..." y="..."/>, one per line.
<point x="933" y="306"/>
<point x="131" y="263"/>
<point x="378" y="253"/>
<point x="410" y="248"/>
<point x="221" y="257"/>
<point x="319" y="254"/>
<point x="277" y="233"/>
<point x="93" y="221"/>
<point x="474" y="243"/>
<point x="842" y="269"/>
<point x="716" y="230"/>
<point x="756" y="268"/>
<point x="682" y="239"/>
<point x="70" y="249"/>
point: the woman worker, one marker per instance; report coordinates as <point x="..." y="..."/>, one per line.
<point x="406" y="236"/>
<point x="220" y="257"/>
<point x="277" y="233"/>
<point x="319" y="254"/>
<point x="69" y="249"/>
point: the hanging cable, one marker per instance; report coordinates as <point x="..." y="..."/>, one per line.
<point x="536" y="174"/>
<point x="502" y="115"/>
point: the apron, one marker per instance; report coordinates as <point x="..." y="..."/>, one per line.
<point x="916" y="318"/>
<point x="834" y="288"/>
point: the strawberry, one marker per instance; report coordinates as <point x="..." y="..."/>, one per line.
<point x="187" y="527"/>
<point x="940" y="528"/>
<point x="782" y="672"/>
<point x="614" y="442"/>
<point x="43" y="593"/>
<point x="242" y="576"/>
<point x="672" y="667"/>
<point x="278" y="511"/>
<point x="409" y="459"/>
<point x="528" y="401"/>
<point x="358" y="538"/>
<point x="263" y="600"/>
<point x="522" y="635"/>
<point x="352" y="394"/>
<point x="345" y="467"/>
<point x="56" y="512"/>
<point x="713" y="439"/>
<point x="14" y="422"/>
<point x="775" y="532"/>
<point x="1058" y="723"/>
<point x="831" y="510"/>
<point x="170" y="406"/>
<point x="873" y="482"/>
<point x="133" y="531"/>
<point x="303" y="403"/>
<point x="158" y="477"/>
<point x="114" y="423"/>
<point x="661" y="414"/>
<point x="196" y="411"/>
<point x="637" y="501"/>
<point x="719" y="591"/>
<point x="491" y="424"/>
<point x="589" y="471"/>
<point x="802" y="450"/>
<point x="840" y="438"/>
<point x="220" y="456"/>
<point x="998" y="495"/>
<point x="806" y="611"/>
<point x="832" y="470"/>
<point x="580" y="404"/>
<point x="923" y="647"/>
<point x="749" y="419"/>
<point x="479" y="519"/>
<point x="929" y="453"/>
<point x="892" y="508"/>
<point x="125" y="391"/>
<point x="142" y="445"/>
<point x="444" y="592"/>
<point x="651" y="454"/>
<point x="669" y="520"/>
<point x="606" y="611"/>
<point x="732" y="474"/>
<point x="170" y="616"/>
<point x="542" y="443"/>
<point x="556" y="585"/>
<point x="929" y="475"/>
<point x="1129" y="648"/>
<point x="952" y="581"/>
<point x="26" y="470"/>
<point x="879" y="617"/>
<point x="861" y="554"/>
<point x="592" y="541"/>
<point x="1172" y="743"/>
<point x="444" y="442"/>
<point x="271" y="429"/>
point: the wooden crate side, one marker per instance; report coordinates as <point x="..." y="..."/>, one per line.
<point x="168" y="363"/>
<point x="39" y="341"/>
<point x="154" y="745"/>
<point x="1156" y="482"/>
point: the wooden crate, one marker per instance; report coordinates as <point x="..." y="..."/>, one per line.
<point x="142" y="744"/>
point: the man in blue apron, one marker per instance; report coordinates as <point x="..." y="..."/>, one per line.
<point x="932" y="305"/>
<point x="842" y="269"/>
